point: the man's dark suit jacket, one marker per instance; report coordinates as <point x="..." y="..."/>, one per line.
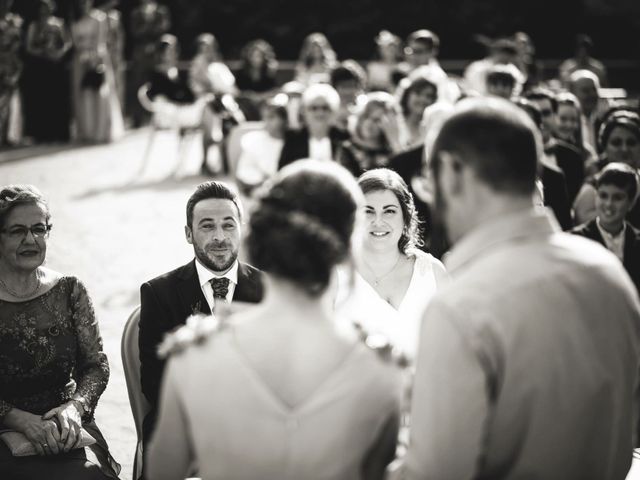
<point x="165" y="303"/>
<point x="555" y="195"/>
<point x="571" y="162"/>
<point x="408" y="164"/>
<point x="296" y="144"/>
<point x="631" y="253"/>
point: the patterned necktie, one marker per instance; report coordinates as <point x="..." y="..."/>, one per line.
<point x="220" y="287"/>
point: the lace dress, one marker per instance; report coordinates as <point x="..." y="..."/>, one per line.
<point x="51" y="352"/>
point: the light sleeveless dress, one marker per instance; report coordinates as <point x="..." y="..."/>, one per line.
<point x="361" y="303"/>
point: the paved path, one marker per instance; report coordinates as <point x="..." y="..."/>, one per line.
<point x="116" y="226"/>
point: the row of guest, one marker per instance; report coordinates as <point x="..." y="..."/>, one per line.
<point x="340" y="411"/>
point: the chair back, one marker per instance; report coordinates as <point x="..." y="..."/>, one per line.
<point x="131" y="364"/>
<point x="233" y="143"/>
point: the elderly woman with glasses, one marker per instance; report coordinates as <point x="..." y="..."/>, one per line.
<point x="52" y="365"/>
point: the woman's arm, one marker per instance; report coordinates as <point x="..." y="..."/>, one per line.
<point x="92" y="367"/>
<point x="170" y="453"/>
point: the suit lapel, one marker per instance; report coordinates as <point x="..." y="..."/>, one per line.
<point x="189" y="291"/>
<point x="248" y="288"/>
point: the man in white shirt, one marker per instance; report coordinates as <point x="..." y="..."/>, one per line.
<point x="213" y="278"/>
<point x="528" y="360"/>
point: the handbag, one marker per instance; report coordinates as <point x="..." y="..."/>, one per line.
<point x="20" y="446"/>
<point x="93" y="78"/>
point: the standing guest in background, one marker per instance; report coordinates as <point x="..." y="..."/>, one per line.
<point x="115" y="45"/>
<point x="585" y="85"/>
<point x="319" y="139"/>
<point x="47" y="110"/>
<point x="205" y="285"/>
<point x="415" y="94"/>
<point x="556" y="152"/>
<point x="396" y="279"/>
<point x="260" y="149"/>
<point x="375" y="134"/>
<point x="10" y="72"/>
<point x="384" y="71"/>
<point x="281" y="390"/>
<point x="526" y="61"/>
<point x="422" y="49"/>
<point x="619" y="141"/>
<point x="529" y="309"/>
<point x="148" y="22"/>
<point x="53" y="369"/>
<point x="208" y="75"/>
<point x="317" y="59"/>
<point x="569" y="127"/>
<point x="617" y="191"/>
<point x="97" y="113"/>
<point x="583" y="61"/>
<point x="554" y="185"/>
<point x="256" y="78"/>
<point x="350" y="81"/>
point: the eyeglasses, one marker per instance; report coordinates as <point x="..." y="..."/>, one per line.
<point x="20" y="232"/>
<point x="316" y="108"/>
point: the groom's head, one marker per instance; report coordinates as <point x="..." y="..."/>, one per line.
<point x="214" y="216"/>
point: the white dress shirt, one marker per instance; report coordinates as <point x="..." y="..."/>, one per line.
<point x="615" y="243"/>
<point x="205" y="276"/>
<point x="320" y="148"/>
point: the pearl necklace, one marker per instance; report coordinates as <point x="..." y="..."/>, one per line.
<point x="22" y="295"/>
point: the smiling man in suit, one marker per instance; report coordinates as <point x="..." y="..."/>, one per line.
<point x="214" y="277"/>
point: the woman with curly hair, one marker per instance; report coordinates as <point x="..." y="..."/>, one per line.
<point x="256" y="78"/>
<point x="317" y="59"/>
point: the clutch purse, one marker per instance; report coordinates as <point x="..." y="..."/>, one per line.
<point x="93" y="78"/>
<point x="20" y="446"/>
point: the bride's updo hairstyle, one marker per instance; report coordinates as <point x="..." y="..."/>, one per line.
<point x="302" y="224"/>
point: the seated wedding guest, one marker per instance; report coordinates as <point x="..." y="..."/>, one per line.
<point x="260" y="149"/>
<point x="554" y="185"/>
<point x="569" y="127"/>
<point x="319" y="139"/>
<point x="375" y="134"/>
<point x="11" y="65"/>
<point x="536" y="332"/>
<point x="349" y="79"/>
<point x="415" y="94"/>
<point x="395" y="279"/>
<point x="556" y="152"/>
<point x="167" y="80"/>
<point x="502" y="51"/>
<point x="504" y="81"/>
<point x="283" y="390"/>
<point x="317" y="59"/>
<point x="618" y="141"/>
<point x="53" y="369"/>
<point x="256" y="78"/>
<point x="389" y="62"/>
<point x="204" y="285"/>
<point x="422" y="49"/>
<point x="617" y="189"/>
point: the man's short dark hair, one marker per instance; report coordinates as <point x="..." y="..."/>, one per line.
<point x="621" y="175"/>
<point x="211" y="189"/>
<point x="496" y="139"/>
<point x="543" y="94"/>
<point x="347" y="71"/>
<point x="424" y="37"/>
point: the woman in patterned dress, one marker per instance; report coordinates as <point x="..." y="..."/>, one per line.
<point x="52" y="365"/>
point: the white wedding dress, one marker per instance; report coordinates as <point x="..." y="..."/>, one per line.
<point x="361" y="303"/>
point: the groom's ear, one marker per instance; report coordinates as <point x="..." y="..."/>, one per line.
<point x="188" y="234"/>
